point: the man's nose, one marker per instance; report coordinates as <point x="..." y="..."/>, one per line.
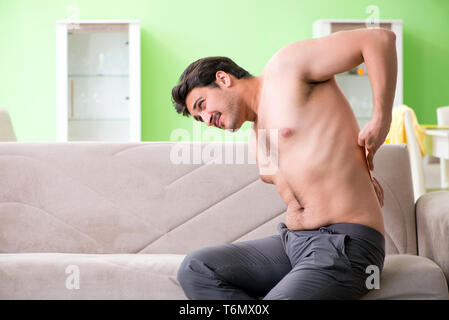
<point x="207" y="118"/>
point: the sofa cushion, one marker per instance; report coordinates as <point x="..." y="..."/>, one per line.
<point x="410" y="277"/>
<point x="101" y="276"/>
<point x="153" y="276"/>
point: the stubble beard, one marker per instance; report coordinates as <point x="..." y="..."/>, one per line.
<point x="234" y="116"/>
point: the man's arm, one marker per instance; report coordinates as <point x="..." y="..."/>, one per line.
<point x="319" y="59"/>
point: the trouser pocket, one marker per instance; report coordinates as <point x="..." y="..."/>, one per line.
<point x="362" y="254"/>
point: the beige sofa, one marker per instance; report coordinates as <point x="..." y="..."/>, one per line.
<point x="99" y="220"/>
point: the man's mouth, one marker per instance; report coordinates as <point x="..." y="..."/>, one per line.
<point x="218" y="120"/>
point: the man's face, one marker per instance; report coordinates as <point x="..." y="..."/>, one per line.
<point x="216" y="107"/>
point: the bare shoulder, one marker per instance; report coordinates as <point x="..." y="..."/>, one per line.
<point x="275" y="63"/>
<point x="286" y="75"/>
<point x="285" y="58"/>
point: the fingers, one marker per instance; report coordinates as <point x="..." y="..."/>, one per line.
<point x="370" y="151"/>
<point x="369" y="147"/>
<point x="361" y="141"/>
<point x="379" y="191"/>
<point x="370" y="160"/>
<point x="380" y="198"/>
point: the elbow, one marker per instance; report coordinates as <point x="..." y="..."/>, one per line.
<point x="267" y="179"/>
<point x="383" y="35"/>
<point x="387" y="35"/>
<point x="391" y="36"/>
<point x="390" y="40"/>
<point x="380" y="39"/>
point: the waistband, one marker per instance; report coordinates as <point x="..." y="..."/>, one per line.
<point x="352" y="229"/>
<point x="357" y="230"/>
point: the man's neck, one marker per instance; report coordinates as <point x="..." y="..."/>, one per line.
<point x="251" y="90"/>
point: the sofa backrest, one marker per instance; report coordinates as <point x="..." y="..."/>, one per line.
<point x="115" y="197"/>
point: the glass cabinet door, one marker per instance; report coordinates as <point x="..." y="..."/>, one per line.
<point x="98" y="80"/>
<point x="98" y="84"/>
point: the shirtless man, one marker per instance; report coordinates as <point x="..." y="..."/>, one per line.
<point x="334" y="227"/>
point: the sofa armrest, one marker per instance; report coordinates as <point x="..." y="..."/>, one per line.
<point x="432" y="224"/>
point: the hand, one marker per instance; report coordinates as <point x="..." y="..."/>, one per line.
<point x="372" y="136"/>
<point x="379" y="191"/>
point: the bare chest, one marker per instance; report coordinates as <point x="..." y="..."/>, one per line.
<point x="304" y="125"/>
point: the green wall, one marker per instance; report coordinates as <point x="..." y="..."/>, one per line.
<point x="177" y="32"/>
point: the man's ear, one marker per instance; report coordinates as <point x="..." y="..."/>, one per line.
<point x="223" y="79"/>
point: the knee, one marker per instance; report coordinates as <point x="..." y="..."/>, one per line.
<point x="193" y="273"/>
<point x="185" y="271"/>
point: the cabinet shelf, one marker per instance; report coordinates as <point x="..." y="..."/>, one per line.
<point x="98" y="119"/>
<point x="98" y="75"/>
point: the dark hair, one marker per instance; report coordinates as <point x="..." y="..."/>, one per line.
<point x="201" y="73"/>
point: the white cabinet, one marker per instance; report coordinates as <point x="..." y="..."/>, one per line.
<point x="355" y="83"/>
<point x="98" y="81"/>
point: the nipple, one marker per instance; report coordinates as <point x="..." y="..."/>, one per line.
<point x="286" y="132"/>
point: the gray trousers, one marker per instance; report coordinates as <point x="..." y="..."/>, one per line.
<point x="326" y="263"/>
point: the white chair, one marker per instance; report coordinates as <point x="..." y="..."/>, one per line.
<point x="416" y="161"/>
<point x="443" y="120"/>
<point x="6" y="128"/>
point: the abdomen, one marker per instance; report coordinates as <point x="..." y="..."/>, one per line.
<point x="324" y="165"/>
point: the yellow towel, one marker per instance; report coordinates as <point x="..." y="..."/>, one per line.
<point x="397" y="128"/>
